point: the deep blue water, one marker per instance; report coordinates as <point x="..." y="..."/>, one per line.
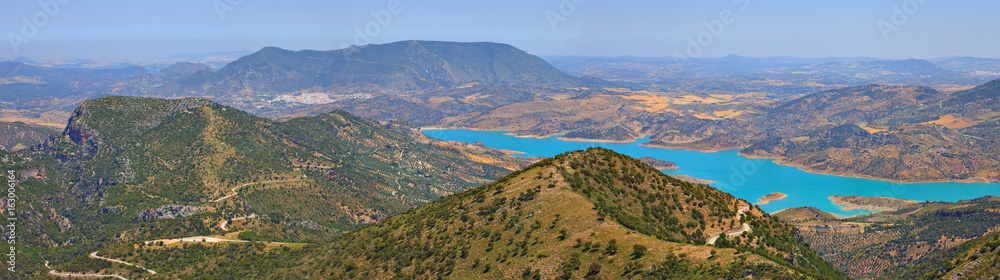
<point x="745" y="178"/>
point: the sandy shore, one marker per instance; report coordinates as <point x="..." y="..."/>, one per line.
<point x="511" y="152"/>
<point x="692" y="180"/>
<point x="678" y="147"/>
<point x="530" y="136"/>
<point x="597" y="140"/>
<point x="771" y="197"/>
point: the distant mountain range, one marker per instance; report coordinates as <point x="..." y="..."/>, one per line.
<point x="391" y="68"/>
<point x="712" y="104"/>
<point x="196" y="57"/>
<point x="784" y="77"/>
<point x="401" y="79"/>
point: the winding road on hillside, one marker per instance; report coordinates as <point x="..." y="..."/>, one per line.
<point x="223" y="224"/>
<point x="87" y="275"/>
<point x="744" y="228"/>
<point x="95" y="256"/>
<point x="254" y="183"/>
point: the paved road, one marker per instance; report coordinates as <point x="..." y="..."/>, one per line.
<point x="744" y="228"/>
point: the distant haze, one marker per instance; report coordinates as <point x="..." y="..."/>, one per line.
<point x="63" y="29"/>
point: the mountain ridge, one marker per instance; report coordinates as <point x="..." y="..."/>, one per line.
<point x="388" y="68"/>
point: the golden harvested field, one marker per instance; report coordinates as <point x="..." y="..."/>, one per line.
<point x="952" y="87"/>
<point x="952" y="121"/>
<point x="872" y="129"/>
<point x="55" y="118"/>
<point x="650" y="103"/>
<point x="719" y="115"/>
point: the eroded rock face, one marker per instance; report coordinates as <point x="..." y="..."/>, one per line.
<point x="80" y="135"/>
<point x="63" y="222"/>
<point x="168" y="212"/>
<point x="34" y="172"/>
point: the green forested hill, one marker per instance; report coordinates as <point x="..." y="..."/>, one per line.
<point x="974" y="259"/>
<point x="920" y="240"/>
<point x="130" y="169"/>
<point x="588" y="214"/>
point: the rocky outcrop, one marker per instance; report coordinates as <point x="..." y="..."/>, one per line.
<point x="168" y="212"/>
<point x="34" y="172"/>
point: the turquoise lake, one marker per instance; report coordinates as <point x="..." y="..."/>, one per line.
<point x="745" y="178"/>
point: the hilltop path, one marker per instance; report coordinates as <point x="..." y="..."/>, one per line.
<point x="744" y="228"/>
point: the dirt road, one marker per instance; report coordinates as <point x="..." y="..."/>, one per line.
<point x="744" y="228"/>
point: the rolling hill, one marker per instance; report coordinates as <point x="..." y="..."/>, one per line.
<point x="925" y="240"/>
<point x="131" y="168"/>
<point x="585" y="214"/>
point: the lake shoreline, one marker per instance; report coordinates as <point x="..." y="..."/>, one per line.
<point x="598" y="141"/>
<point x="686" y="148"/>
<point x="744" y="177"/>
<point x="777" y="160"/>
<point x="782" y="161"/>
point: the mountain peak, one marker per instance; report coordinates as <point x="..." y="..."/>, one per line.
<point x="24" y="60"/>
<point x="393" y="68"/>
<point x="272" y="49"/>
<point x="594" y="207"/>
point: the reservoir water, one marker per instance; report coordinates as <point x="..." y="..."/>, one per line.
<point x="745" y="178"/>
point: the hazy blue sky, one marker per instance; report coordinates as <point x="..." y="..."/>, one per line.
<point x="841" y="28"/>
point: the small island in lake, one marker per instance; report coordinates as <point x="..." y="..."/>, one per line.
<point x="771" y="197"/>
<point x="658" y="164"/>
<point x="852" y="202"/>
